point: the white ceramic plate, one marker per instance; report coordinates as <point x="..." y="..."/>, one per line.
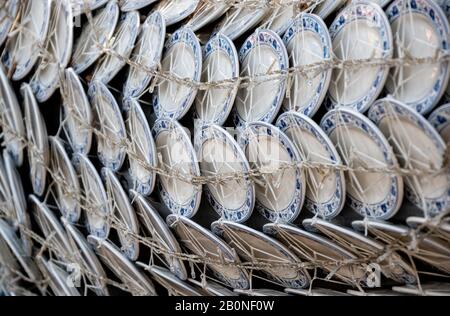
<point x="76" y="113"/>
<point x="176" y="156"/>
<point x="87" y="49"/>
<point x="174" y="11"/>
<point x="160" y="233"/>
<point x="126" y="271"/>
<point x="109" y="121"/>
<point x="419" y="34"/>
<point x="418" y="147"/>
<point x="143" y="147"/>
<point x="58" y="47"/>
<point x="122" y="45"/>
<point x="129" y="5"/>
<point x="280" y="189"/>
<point x="67" y="188"/>
<point x="201" y="242"/>
<point x="22" y="47"/>
<point x="261" y="54"/>
<point x="58" y="243"/>
<point x="440" y="119"/>
<point x="219" y="154"/>
<point x="174" y="286"/>
<point x="8" y="13"/>
<point x="360" y="31"/>
<point x="83" y="254"/>
<point x="393" y="267"/>
<point x="123" y="214"/>
<point x="308" y="42"/>
<point x="240" y="19"/>
<point x="95" y="201"/>
<point x="147" y="53"/>
<point x="207" y="12"/>
<point x="20" y="216"/>
<point x="325" y="188"/>
<point x="362" y="146"/>
<point x="11" y="119"/>
<point x="15" y="245"/>
<point x="254" y="246"/>
<point x="314" y="248"/>
<point x="38" y="149"/>
<point x="82" y="6"/>
<point x="220" y="63"/>
<point x="183" y="59"/>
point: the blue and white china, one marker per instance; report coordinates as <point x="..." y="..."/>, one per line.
<point x="219" y="155"/>
<point x="76" y="113"/>
<point x="38" y="148"/>
<point x="22" y="47"/>
<point x="111" y="149"/>
<point x="262" y="54"/>
<point x="147" y="53"/>
<point x="280" y="188"/>
<point x="419" y="148"/>
<point x="422" y="31"/>
<point x="440" y="119"/>
<point x="143" y="157"/>
<point x="220" y="64"/>
<point x="11" y="119"/>
<point x="308" y="42"/>
<point x="360" y="31"/>
<point x="325" y="186"/>
<point x="58" y="46"/>
<point x="364" y="150"/>
<point x="67" y="186"/>
<point x="183" y="59"/>
<point x="178" y="160"/>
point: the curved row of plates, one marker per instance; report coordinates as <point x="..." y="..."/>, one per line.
<point x="393" y="136"/>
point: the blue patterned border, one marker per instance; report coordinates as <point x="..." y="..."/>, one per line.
<point x="333" y="207"/>
<point x="186" y="36"/>
<point x="373" y="15"/>
<point x="433" y="13"/>
<point x="243" y="212"/>
<point x="190" y="208"/>
<point x="392" y="202"/>
<point x="291" y="212"/>
<point x="273" y="41"/>
<point x="312" y="23"/>
<point x="222" y="43"/>
<point x="378" y="112"/>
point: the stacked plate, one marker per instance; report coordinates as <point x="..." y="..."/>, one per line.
<point x="200" y="145"/>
